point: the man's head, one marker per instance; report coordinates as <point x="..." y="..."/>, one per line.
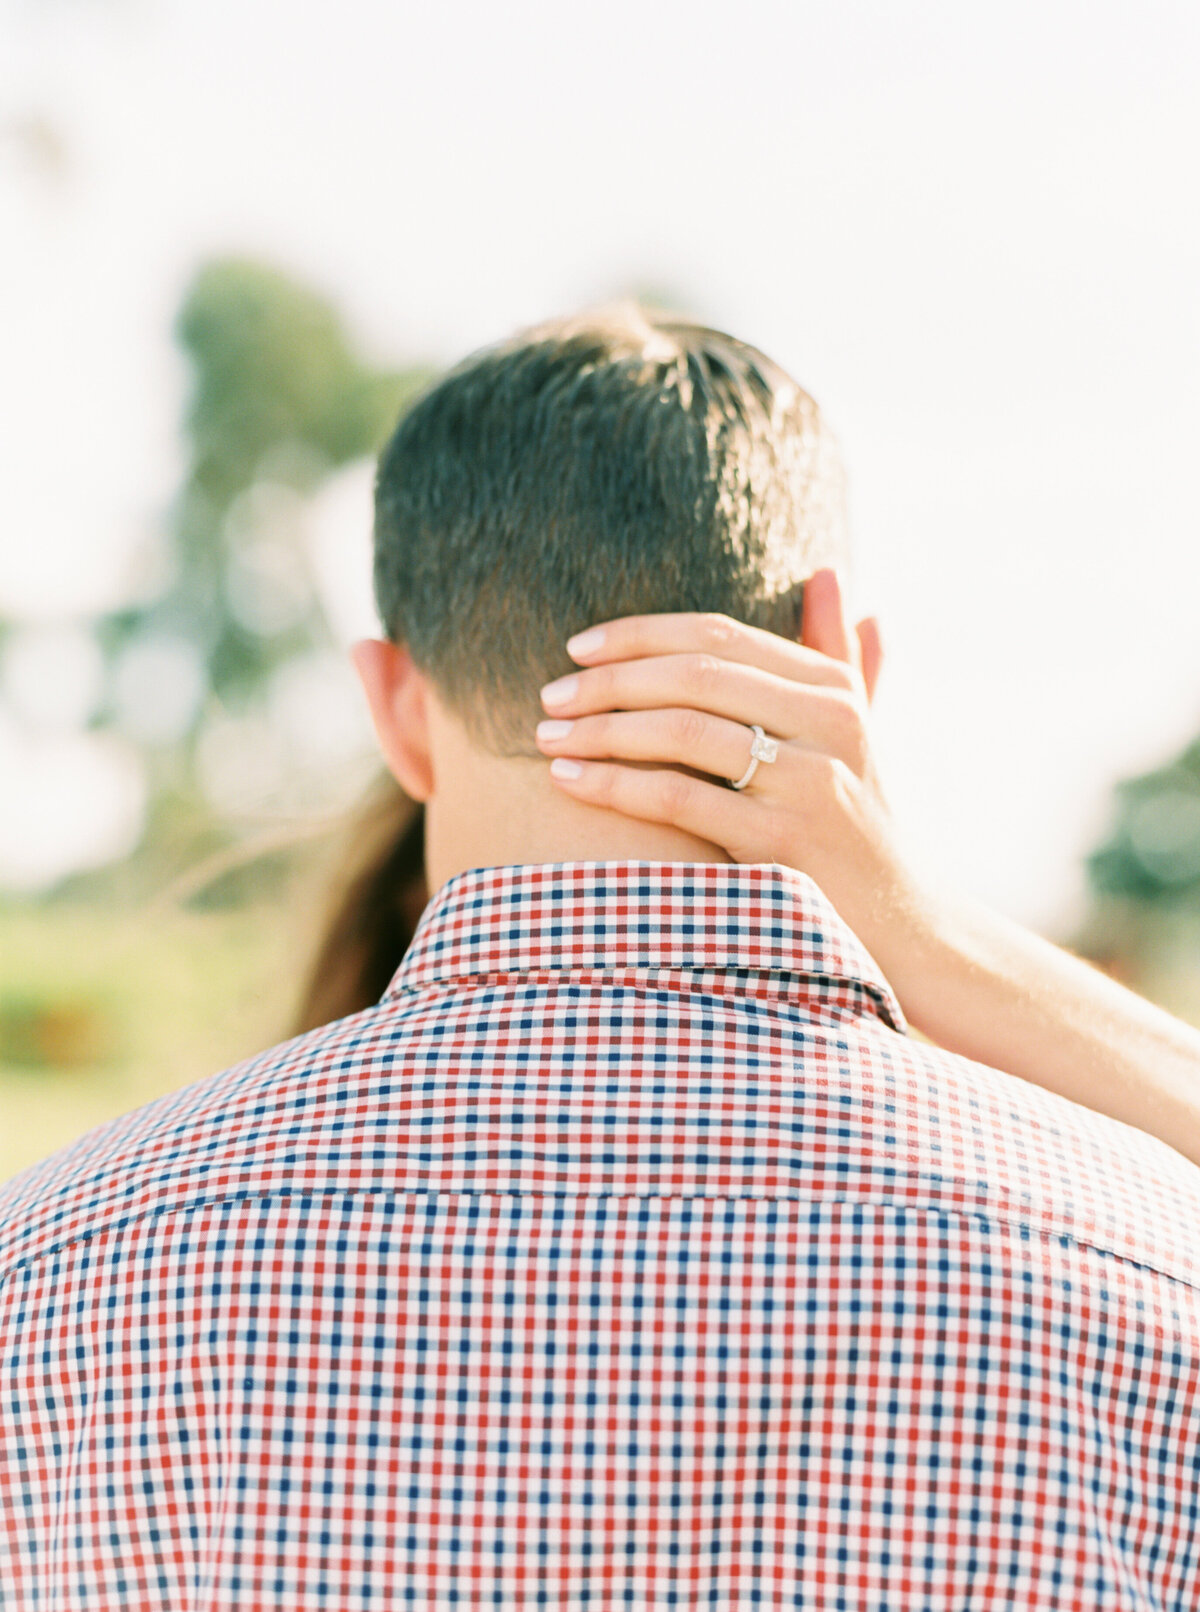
<point x="621" y="462"/>
<point x="618" y="463"/>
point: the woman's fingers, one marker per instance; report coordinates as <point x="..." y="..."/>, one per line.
<point x="685" y="689"/>
<point x="700" y="633"/>
<point x="819" y="718"/>
<point x="708" y="744"/>
<point x="708" y="811"/>
<point x="697" y="687"/>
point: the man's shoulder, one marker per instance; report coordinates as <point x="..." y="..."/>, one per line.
<point x="188" y="1146"/>
<point x="1016" y="1151"/>
<point x="844" y="1108"/>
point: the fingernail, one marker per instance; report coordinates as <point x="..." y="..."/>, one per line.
<point x="554" y="730"/>
<point x="560" y="692"/>
<point x="561" y="767"/>
<point x="585" y="643"/>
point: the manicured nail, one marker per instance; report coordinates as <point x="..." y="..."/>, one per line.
<point x="561" y="767"/>
<point x="560" y="692"/>
<point x="585" y="643"/>
<point x="554" y="730"/>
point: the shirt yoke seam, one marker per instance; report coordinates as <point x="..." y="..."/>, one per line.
<point x="207" y="1201"/>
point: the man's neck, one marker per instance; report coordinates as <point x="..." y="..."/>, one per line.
<point x="513" y="813"/>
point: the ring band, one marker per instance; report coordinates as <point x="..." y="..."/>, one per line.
<point x="761" y="749"/>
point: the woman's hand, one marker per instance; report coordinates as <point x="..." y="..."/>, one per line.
<point x="683" y="690"/>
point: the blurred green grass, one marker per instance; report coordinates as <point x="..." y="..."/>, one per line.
<point x="102" y="1011"/>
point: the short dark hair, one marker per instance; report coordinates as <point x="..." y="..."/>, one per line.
<point x="620" y="462"/>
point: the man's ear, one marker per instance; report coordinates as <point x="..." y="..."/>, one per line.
<point x="397" y="693"/>
<point x="825" y="627"/>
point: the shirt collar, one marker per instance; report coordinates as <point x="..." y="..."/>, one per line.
<point x="606" y="916"/>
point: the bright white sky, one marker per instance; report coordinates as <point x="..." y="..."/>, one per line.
<point x="970" y="231"/>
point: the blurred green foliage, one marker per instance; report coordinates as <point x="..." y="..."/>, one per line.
<point x="1152" y="853"/>
<point x="273" y="366"/>
<point x="280" y="400"/>
<point x="44" y="1029"/>
<point x="102" y="1010"/>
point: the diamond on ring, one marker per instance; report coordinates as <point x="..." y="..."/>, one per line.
<point x="764" y="749"/>
<point x="761" y="749"/>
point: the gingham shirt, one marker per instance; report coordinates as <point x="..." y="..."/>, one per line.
<point x="628" y="1253"/>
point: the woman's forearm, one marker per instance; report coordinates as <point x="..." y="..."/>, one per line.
<point x="981" y="986"/>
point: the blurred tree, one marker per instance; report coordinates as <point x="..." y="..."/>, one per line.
<point x="1143" y="920"/>
<point x="1152" y="854"/>
<point x="280" y="400"/>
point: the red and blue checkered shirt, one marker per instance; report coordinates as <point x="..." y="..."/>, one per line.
<point x="628" y="1253"/>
